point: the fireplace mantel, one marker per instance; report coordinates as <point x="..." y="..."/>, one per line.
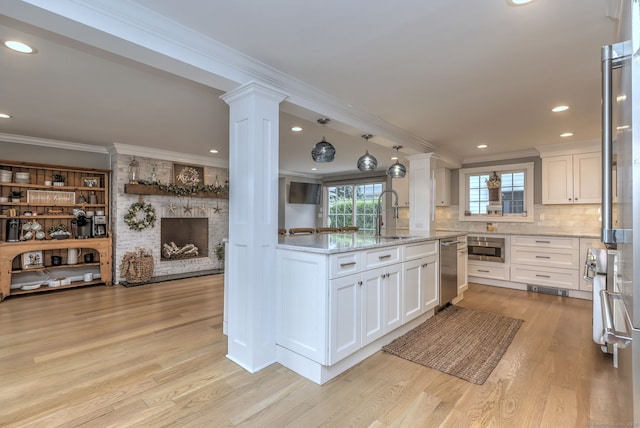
<point x="150" y="189"/>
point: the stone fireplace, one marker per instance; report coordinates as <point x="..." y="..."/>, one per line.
<point x="182" y="238"/>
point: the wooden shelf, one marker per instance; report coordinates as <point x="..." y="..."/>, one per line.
<point x="150" y="189"/>
<point x="52" y="188"/>
<point x="16" y="291"/>
<point x="40" y="268"/>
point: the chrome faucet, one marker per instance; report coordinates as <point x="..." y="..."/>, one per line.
<point x="379" y="210"/>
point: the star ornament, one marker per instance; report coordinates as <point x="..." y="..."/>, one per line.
<point x="203" y="209"/>
<point x="217" y="210"/>
<point x="188" y="209"/>
<point x="172" y="207"/>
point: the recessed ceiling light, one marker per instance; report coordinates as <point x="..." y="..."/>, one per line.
<point x="5" y="116"/>
<point x="213" y="151"/>
<point x="394" y="157"/>
<point x="518" y="2"/>
<point x="14" y="45"/>
<point x="558" y="109"/>
<point x="567" y="134"/>
<point x="314" y="169"/>
<point x="296" y="128"/>
<point x="482" y="146"/>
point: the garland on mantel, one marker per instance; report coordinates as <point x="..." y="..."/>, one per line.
<point x="188" y="190"/>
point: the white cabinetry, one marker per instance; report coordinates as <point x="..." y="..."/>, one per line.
<point x="571" y="179"/>
<point x="421" y="282"/>
<point x="443" y="187"/>
<point x="334" y="310"/>
<point x="401" y="185"/>
<point x="547" y="261"/>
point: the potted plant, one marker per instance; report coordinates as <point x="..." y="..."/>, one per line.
<point x="15" y="195"/>
<point x="219" y="250"/>
<point x="58" y="180"/>
<point x="59" y="231"/>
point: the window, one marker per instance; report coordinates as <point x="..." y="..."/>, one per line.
<point x="511" y="201"/>
<point x="353" y="205"/>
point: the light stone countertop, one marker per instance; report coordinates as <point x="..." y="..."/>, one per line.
<point x="332" y="243"/>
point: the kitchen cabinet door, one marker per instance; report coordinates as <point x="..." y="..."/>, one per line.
<point x="401" y="185"/>
<point x="345" y="317"/>
<point x="557" y="180"/>
<point x="392" y="298"/>
<point x="443" y="187"/>
<point x="430" y="283"/>
<point x="587" y="187"/>
<point x="373" y="282"/>
<point x="412" y="272"/>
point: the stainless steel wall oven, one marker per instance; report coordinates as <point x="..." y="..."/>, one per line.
<point x="486" y="248"/>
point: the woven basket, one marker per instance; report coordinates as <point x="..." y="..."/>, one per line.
<point x="140" y="270"/>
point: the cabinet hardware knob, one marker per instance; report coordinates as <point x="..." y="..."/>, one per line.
<point x="543" y="257"/>
<point x="543" y="276"/>
<point x="359" y="282"/>
<point x="481" y="270"/>
<point x="384" y="257"/>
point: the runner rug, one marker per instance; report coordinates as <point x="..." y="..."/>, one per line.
<point x="462" y="342"/>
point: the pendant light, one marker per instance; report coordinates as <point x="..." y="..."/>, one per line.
<point x="397" y="170"/>
<point x="367" y="162"/>
<point x="323" y="151"/>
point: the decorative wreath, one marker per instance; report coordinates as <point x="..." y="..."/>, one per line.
<point x="136" y="223"/>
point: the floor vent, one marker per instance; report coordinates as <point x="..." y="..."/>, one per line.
<point x="547" y="290"/>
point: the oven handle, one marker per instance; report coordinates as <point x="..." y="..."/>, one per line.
<point x="610" y="334"/>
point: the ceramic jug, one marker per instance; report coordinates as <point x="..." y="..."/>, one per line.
<point x="72" y="255"/>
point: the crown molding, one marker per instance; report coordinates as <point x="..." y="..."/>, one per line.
<point x="166" y="155"/>
<point x="570" y="148"/>
<point x="503" y="156"/>
<point x="56" y="144"/>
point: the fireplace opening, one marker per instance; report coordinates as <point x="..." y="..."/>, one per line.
<point x="183" y="238"/>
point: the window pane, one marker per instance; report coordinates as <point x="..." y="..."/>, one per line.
<point x="353" y="205"/>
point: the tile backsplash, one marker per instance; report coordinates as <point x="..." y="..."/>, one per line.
<point x="553" y="219"/>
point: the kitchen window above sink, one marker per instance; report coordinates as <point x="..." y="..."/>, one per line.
<point x="500" y="193"/>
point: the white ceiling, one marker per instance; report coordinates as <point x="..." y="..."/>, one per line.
<point x="449" y="73"/>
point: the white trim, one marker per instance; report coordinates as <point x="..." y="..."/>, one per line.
<point x="529" y="180"/>
<point x="149" y="152"/>
<point x="570" y="148"/>
<point x="56" y="144"/>
<point x="498" y="157"/>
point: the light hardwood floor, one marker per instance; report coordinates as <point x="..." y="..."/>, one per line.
<point x="154" y="356"/>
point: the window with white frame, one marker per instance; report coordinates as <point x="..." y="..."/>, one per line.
<point x="353" y="205"/>
<point x="511" y="200"/>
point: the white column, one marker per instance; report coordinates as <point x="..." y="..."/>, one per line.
<point x="422" y="192"/>
<point x="253" y="222"/>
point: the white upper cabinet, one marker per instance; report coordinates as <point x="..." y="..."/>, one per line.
<point x="401" y="185"/>
<point x="571" y="179"/>
<point x="443" y="187"/>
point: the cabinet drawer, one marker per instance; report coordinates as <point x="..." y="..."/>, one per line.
<point x="420" y="250"/>
<point x="545" y="242"/>
<point x="553" y="277"/>
<point x="382" y="257"/>
<point x="344" y="264"/>
<point x="487" y="271"/>
<point x="568" y="259"/>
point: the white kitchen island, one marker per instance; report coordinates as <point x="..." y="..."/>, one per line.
<point x="341" y="297"/>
